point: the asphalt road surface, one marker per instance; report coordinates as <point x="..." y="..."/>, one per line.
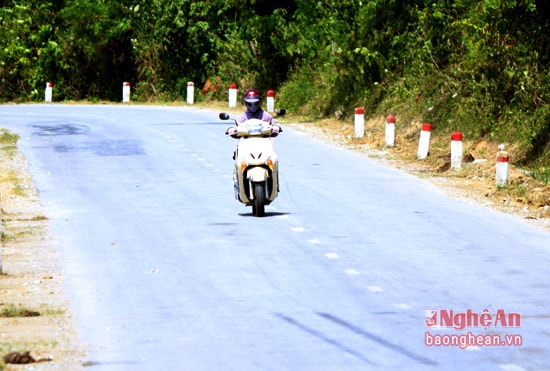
<point x="356" y="266"/>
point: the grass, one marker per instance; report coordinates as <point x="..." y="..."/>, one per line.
<point x="14" y="311"/>
<point x="6" y="348"/>
<point x="542" y="174"/>
<point x="8" y="142"/>
<point x="10" y="237"/>
<point x="53" y="312"/>
<point x="521" y="190"/>
<point x="11" y="311"/>
<point x="8" y="138"/>
<point x="11" y="177"/>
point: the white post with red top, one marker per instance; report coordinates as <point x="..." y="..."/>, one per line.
<point x="232" y="95"/>
<point x="456" y="150"/>
<point x="390" y="131"/>
<point x="190" y="93"/>
<point x="125" y="92"/>
<point x="502" y="167"/>
<point x="48" y="92"/>
<point x="359" y="122"/>
<point x="1" y="269"/>
<point x="424" y="142"/>
<point x="270" y="101"/>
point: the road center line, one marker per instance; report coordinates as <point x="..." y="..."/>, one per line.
<point x="352" y="272"/>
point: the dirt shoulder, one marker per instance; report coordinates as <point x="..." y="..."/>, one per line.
<point x="34" y="311"/>
<point x="474" y="183"/>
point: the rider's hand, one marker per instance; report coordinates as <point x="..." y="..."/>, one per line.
<point x="276" y="129"/>
<point x="231" y="131"/>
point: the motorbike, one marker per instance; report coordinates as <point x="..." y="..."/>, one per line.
<point x="256" y="172"/>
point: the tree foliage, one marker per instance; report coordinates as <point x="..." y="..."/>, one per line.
<point x="479" y="66"/>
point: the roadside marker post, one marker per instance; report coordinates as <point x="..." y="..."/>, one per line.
<point x="456" y="150"/>
<point x="270" y="101"/>
<point x="359" y="122"/>
<point x="424" y="142"/>
<point x="190" y="93"/>
<point x="126" y="92"/>
<point x="390" y="131"/>
<point x="232" y="95"/>
<point x="502" y="167"/>
<point x="48" y="92"/>
<point x="1" y="271"/>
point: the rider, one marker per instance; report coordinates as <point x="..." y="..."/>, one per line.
<point x="252" y="99"/>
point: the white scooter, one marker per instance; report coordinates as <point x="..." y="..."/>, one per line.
<point x="256" y="173"/>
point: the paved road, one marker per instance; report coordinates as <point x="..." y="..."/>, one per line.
<point x="165" y="270"/>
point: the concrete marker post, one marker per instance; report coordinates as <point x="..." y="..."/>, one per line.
<point x="424" y="142"/>
<point x="390" y="131"/>
<point x="48" y="92"/>
<point x="456" y="150"/>
<point x="359" y="122"/>
<point x="126" y="92"/>
<point x="1" y="269"/>
<point x="270" y="101"/>
<point x="502" y="167"/>
<point x="190" y="93"/>
<point x="232" y="95"/>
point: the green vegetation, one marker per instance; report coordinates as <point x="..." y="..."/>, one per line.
<point x="17" y="311"/>
<point x="477" y="66"/>
<point x="8" y="142"/>
<point x="8" y="139"/>
<point x="11" y="311"/>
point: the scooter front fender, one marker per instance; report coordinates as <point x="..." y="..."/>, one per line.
<point x="257" y="174"/>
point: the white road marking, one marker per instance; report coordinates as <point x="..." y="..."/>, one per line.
<point x="512" y="367"/>
<point x="332" y="255"/>
<point x="352" y="272"/>
<point x="375" y="289"/>
<point x="473" y="348"/>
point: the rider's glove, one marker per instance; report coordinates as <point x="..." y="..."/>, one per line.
<point x="275" y="130"/>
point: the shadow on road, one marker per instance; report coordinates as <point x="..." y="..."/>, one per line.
<point x="266" y="215"/>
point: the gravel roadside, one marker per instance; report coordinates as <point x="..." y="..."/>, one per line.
<point x="34" y="311"/>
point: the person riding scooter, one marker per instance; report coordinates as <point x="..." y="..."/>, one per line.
<point x="256" y="170"/>
<point x="252" y="100"/>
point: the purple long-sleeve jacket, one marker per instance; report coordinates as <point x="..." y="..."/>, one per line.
<point x="261" y="115"/>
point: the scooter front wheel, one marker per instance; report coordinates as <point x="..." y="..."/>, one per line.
<point x="259" y="199"/>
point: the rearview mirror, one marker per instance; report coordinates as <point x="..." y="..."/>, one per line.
<point x="224" y="116"/>
<point x="280" y="112"/>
